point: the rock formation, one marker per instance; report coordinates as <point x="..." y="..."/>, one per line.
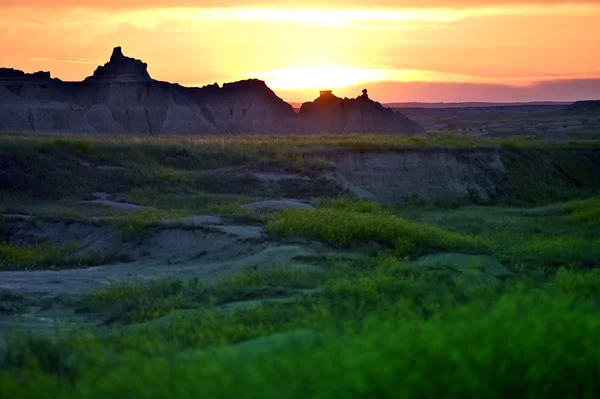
<point x="121" y="69"/>
<point x="121" y="97"/>
<point x="331" y="114"/>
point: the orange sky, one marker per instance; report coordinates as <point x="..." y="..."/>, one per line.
<point x="401" y="50"/>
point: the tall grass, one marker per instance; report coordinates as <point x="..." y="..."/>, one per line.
<point x="44" y="256"/>
<point x="143" y="301"/>
<point x="377" y="342"/>
<point x="256" y="144"/>
<point x="344" y="226"/>
<point x="585" y="211"/>
<point x="136" y="223"/>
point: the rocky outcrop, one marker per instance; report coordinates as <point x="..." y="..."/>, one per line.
<point x="14" y="75"/>
<point x="249" y="106"/>
<point x="121" y="97"/>
<point x="121" y="69"/>
<point x="331" y="114"/>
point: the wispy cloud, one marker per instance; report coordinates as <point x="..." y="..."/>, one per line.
<point x="149" y="4"/>
<point x="393" y="18"/>
<point x="393" y="15"/>
<point x="65" y="59"/>
<point x="342" y="76"/>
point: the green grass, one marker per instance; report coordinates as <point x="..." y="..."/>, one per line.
<point x="44" y="256"/>
<point x="344" y="226"/>
<point x="585" y="212"/>
<point x="543" y="238"/>
<point x="347" y="204"/>
<point x="143" y="301"/>
<point x="580" y="284"/>
<point x="184" y="146"/>
<point x="387" y="328"/>
<point x="194" y="202"/>
<point x="388" y="332"/>
<point x="134" y="224"/>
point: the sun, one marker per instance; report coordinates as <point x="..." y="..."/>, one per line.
<point x="334" y="77"/>
<point x="337" y="77"/>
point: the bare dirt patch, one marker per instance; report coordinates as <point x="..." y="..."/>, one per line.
<point x="210" y="253"/>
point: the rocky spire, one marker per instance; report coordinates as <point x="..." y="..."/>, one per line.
<point x="121" y="69"/>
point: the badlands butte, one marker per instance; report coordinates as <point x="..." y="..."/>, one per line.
<point x="121" y="97"/>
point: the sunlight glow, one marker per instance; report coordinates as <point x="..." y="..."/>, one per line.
<point x="344" y="17"/>
<point x="338" y="76"/>
<point x="319" y="77"/>
<point x="489" y="49"/>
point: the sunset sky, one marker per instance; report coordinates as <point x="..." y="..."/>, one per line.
<point x="401" y="50"/>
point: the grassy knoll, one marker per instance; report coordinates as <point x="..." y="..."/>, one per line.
<point x="343" y="224"/>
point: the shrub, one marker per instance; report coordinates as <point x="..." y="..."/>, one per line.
<point x="343" y="228"/>
<point x="45" y="256"/>
<point x="585" y="211"/>
<point x="34" y="256"/>
<point x="135" y="224"/>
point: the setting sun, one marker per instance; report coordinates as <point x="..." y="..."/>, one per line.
<point x="319" y="77"/>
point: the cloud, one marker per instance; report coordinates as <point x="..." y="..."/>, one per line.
<point x="66" y="59"/>
<point x="335" y="77"/>
<point x="420" y="4"/>
<point x="379" y="15"/>
<point x="398" y="15"/>
<point x="561" y="90"/>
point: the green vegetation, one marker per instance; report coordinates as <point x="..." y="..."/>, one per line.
<point x="344" y="227"/>
<point x="199" y="202"/>
<point x="44" y="256"/>
<point x="145" y="301"/>
<point x="376" y="320"/>
<point x="389" y="331"/>
<point x="586" y="211"/>
<point x="240" y="149"/>
<point x="135" y="224"/>
<point x="526" y="238"/>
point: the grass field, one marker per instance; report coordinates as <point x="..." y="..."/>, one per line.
<point x="416" y="299"/>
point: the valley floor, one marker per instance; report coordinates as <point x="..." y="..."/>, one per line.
<point x="167" y="285"/>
